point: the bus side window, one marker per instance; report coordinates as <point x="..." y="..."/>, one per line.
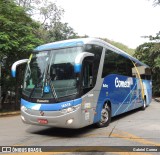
<point x="115" y="63"/>
<point x="97" y="51"/>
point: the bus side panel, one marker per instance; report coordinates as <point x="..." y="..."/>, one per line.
<point x="87" y="109"/>
<point x="123" y="92"/>
<point x="90" y="104"/>
<point x="148" y="91"/>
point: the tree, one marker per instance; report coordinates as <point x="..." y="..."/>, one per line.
<point x="49" y="16"/>
<point x="156" y="2"/>
<point x="120" y="46"/>
<point x="45" y="11"/>
<point x="149" y="53"/>
<point x="17" y="38"/>
<point x="61" y="31"/>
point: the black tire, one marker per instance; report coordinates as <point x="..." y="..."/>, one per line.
<point x="144" y="105"/>
<point x="105" y="116"/>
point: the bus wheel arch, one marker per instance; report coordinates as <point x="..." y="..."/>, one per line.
<point x="105" y="115"/>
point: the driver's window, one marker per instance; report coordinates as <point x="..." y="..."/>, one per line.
<point x="87" y="81"/>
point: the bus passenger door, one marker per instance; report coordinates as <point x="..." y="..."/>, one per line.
<point x="87" y="91"/>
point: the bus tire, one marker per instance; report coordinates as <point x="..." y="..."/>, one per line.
<point x="105" y="116"/>
<point x="144" y="105"/>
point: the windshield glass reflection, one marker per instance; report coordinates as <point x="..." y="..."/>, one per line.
<point x="53" y="70"/>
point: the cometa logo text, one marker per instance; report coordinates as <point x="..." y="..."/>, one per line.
<point x="121" y="84"/>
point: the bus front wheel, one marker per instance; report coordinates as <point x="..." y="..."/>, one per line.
<point x="105" y="116"/>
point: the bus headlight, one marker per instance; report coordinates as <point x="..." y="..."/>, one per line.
<point x="23" y="118"/>
<point x="23" y="108"/>
<point x="70" y="109"/>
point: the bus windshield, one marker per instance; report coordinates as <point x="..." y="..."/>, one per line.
<point x="53" y="70"/>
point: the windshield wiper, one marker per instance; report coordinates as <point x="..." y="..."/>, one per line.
<point x="52" y="88"/>
<point x="48" y="82"/>
<point x="36" y="86"/>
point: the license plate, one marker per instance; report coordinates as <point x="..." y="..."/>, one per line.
<point x="42" y="121"/>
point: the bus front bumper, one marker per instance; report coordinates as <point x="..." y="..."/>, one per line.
<point x="66" y="118"/>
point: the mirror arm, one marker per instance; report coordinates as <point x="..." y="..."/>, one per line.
<point x="17" y="63"/>
<point x="78" y="61"/>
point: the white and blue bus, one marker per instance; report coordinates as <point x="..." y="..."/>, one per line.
<point x="79" y="82"/>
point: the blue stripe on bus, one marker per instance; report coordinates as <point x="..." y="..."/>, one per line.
<point x="58" y="45"/>
<point x="131" y="100"/>
<point x="121" y="97"/>
<point x="131" y="103"/>
<point x="50" y="106"/>
<point x="126" y="99"/>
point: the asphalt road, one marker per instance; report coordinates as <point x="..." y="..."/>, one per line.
<point x="136" y="128"/>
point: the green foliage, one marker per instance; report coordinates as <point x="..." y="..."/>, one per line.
<point x="149" y="53"/>
<point x="60" y="31"/>
<point x="20" y="34"/>
<point x="46" y="11"/>
<point x="49" y="16"/>
<point x="17" y="38"/>
<point x="17" y="29"/>
<point x="120" y="46"/>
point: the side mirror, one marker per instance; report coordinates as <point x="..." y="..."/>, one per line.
<point x="17" y="63"/>
<point x="79" y="59"/>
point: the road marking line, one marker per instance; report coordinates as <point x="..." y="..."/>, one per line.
<point x="38" y="153"/>
<point x="56" y="153"/>
<point x="120" y="134"/>
<point x="130" y="153"/>
<point x="131" y="137"/>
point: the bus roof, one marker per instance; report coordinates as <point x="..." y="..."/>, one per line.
<point x="83" y="41"/>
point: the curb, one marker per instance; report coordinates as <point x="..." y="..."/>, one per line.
<point x="157" y="99"/>
<point x="10" y="113"/>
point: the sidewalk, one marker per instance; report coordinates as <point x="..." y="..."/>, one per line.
<point x="12" y="113"/>
<point x="157" y="99"/>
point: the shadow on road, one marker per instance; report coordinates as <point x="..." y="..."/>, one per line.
<point x="60" y="132"/>
<point x="71" y="133"/>
<point x="121" y="116"/>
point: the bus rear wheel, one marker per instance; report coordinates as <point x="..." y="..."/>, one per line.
<point x="105" y="116"/>
<point x="144" y="104"/>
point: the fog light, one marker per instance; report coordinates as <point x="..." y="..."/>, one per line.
<point x="70" y="121"/>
